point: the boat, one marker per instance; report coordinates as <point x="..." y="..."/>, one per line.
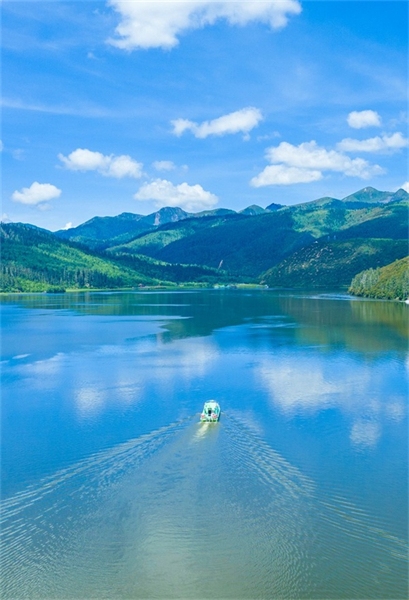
<point x="211" y="412"/>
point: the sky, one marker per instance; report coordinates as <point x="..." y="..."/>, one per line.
<point x="128" y="106"/>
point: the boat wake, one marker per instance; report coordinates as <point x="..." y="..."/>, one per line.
<point x="141" y="519"/>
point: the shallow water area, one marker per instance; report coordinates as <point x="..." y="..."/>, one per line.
<point x="113" y="489"/>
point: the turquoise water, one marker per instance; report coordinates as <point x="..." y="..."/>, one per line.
<point x="112" y="489"/>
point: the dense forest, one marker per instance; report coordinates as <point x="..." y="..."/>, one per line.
<point x="34" y="260"/>
<point x="390" y="282"/>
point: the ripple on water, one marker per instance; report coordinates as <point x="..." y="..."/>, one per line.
<point x="195" y="511"/>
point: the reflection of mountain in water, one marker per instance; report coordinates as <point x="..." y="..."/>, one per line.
<point x="326" y="320"/>
<point x="361" y="326"/>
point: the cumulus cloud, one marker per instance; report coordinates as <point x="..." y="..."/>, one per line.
<point x="392" y="142"/>
<point x="192" y="198"/>
<point x="307" y="162"/>
<point x="243" y="121"/>
<point x="107" y="165"/>
<point x="284" y="175"/>
<point x="364" y="118"/>
<point x="405" y="186"/>
<point x="36" y="193"/>
<point x="147" y="24"/>
<point x="163" y="165"/>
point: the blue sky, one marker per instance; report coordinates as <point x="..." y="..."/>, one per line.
<point x="128" y="106"/>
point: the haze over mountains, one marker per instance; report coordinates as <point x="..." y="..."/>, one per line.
<point x="325" y="242"/>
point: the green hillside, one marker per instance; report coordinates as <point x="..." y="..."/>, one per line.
<point x="102" y="231"/>
<point x="250" y="245"/>
<point x="152" y="242"/>
<point x="390" y="282"/>
<point x="246" y="246"/>
<point x="333" y="263"/>
<point x="35" y="260"/>
<point x="321" y="243"/>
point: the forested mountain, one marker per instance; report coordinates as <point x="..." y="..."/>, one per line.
<point x="391" y="281"/>
<point x="325" y="242"/>
<point x="103" y="232"/>
<point x="152" y="242"/>
<point x="333" y="263"/>
<point x="251" y="245"/>
<point x="34" y="259"/>
<point x="246" y="246"/>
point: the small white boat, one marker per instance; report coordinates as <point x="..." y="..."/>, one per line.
<point x="211" y="412"/>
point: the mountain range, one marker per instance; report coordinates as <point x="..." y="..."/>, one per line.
<point x="325" y="242"/>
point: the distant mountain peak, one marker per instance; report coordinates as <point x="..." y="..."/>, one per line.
<point x="369" y="195"/>
<point x="273" y="206"/>
<point x="252" y="210"/>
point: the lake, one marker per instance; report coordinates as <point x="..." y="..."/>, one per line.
<point x="113" y="489"/>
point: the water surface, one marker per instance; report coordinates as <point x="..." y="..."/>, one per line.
<point x="112" y="489"/>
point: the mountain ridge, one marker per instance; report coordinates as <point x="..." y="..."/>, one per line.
<point x="322" y="242"/>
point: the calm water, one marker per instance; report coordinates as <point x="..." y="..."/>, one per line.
<point x="112" y="489"/>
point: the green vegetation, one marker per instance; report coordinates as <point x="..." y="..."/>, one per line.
<point x="390" y="282"/>
<point x="152" y="242"/>
<point x="170" y="272"/>
<point x="250" y="245"/>
<point x="99" y="232"/>
<point x="243" y="246"/>
<point x="35" y="260"/>
<point x="323" y="243"/>
<point x="333" y="264"/>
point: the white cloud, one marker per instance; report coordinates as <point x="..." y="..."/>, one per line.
<point x="405" y="186"/>
<point x="67" y="226"/>
<point x="153" y="24"/>
<point x="283" y="175"/>
<point x="306" y="163"/>
<point x="395" y="141"/>
<point x="5" y="218"/>
<point x="189" y="197"/>
<point x="363" y="118"/>
<point x="108" y="165"/>
<point x="243" y="121"/>
<point x="36" y="193"/>
<point x="163" y="165"/>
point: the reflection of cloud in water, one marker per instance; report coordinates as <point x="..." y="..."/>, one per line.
<point x="303" y="387"/>
<point x="365" y="433"/>
<point x="395" y="410"/>
<point x="111" y="374"/>
<point x="297" y="387"/>
<point x="192" y="357"/>
<point x="41" y="373"/>
<point x="89" y="400"/>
